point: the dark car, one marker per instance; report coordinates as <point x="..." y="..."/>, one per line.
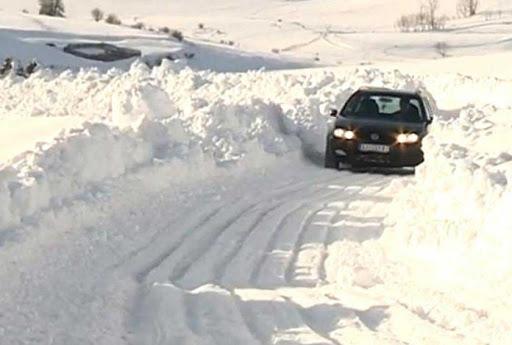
<point x="379" y="127"/>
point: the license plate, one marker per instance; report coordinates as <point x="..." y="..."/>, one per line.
<point x="374" y="148"/>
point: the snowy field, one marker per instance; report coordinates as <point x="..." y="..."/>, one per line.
<point x="240" y="35"/>
<point x="184" y="205"/>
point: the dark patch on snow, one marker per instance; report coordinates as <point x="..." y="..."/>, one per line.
<point x="101" y="51"/>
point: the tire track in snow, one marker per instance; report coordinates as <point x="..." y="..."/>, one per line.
<point x="324" y="250"/>
<point x="271" y="271"/>
<point x="246" y="257"/>
<point x="198" y="330"/>
<point x="232" y="225"/>
<point x="208" y="237"/>
<point x="277" y="253"/>
<point x="187" y="227"/>
<point x="222" y="267"/>
<point x="221" y="254"/>
<point x="190" y="255"/>
<point x="256" y="271"/>
<point x="306" y="263"/>
<point x="204" y="269"/>
<point x="238" y="273"/>
<point x="141" y="275"/>
<point x="334" y="235"/>
<point x="257" y="268"/>
<point x="220" y="315"/>
<point x="289" y="271"/>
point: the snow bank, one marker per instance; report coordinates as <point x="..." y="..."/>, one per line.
<point x="54" y="173"/>
<point x="49" y="176"/>
<point x="203" y="119"/>
<point x="454" y="214"/>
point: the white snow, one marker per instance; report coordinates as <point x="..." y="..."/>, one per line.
<point x="457" y="203"/>
<point x="177" y="121"/>
<point x="270" y="34"/>
<point x="183" y="205"/>
<point x="20" y="134"/>
<point x="26" y="37"/>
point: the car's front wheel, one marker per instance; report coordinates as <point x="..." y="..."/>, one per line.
<point x="331" y="161"/>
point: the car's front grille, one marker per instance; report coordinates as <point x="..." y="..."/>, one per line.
<point x="374" y="158"/>
<point x="375" y="136"/>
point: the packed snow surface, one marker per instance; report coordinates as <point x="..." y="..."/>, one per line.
<point x="191" y="207"/>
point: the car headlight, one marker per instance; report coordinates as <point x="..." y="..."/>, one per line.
<point x="349" y="135"/>
<point x="338" y="133"/>
<point x="410" y="138"/>
<point x="341" y="133"/>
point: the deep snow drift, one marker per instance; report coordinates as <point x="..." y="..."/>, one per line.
<point x="442" y="228"/>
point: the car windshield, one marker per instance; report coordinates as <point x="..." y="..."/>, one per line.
<point x="401" y="108"/>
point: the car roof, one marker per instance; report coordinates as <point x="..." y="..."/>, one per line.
<point x="391" y="92"/>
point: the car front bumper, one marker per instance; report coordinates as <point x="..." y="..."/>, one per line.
<point x="347" y="151"/>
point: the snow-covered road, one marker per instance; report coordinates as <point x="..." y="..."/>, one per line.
<point x="286" y="254"/>
<point x="246" y="261"/>
<point x="242" y="247"/>
<point x="237" y="254"/>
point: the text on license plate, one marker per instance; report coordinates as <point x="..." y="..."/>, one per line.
<point x="374" y="148"/>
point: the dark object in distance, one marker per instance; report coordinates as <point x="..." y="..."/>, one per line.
<point x="6" y="67"/>
<point x="379" y="127"/>
<point x="101" y="51"/>
<point x="9" y="65"/>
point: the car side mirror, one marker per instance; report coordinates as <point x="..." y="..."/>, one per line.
<point x="334" y="113"/>
<point x="429" y="121"/>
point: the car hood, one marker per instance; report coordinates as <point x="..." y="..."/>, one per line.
<point x="392" y="126"/>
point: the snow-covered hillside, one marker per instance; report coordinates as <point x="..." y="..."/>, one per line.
<point x="28" y="37"/>
<point x="336" y="32"/>
<point x="357" y="11"/>
<point x="244" y="35"/>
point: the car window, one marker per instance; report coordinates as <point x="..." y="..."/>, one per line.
<point x="386" y="107"/>
<point x="429" y="110"/>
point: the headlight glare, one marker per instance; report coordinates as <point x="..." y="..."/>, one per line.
<point x="339" y="133"/>
<point x="349" y="135"/>
<point x="346" y="134"/>
<point x="401" y="138"/>
<point x="410" y="138"/>
<point x="413" y="138"/>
